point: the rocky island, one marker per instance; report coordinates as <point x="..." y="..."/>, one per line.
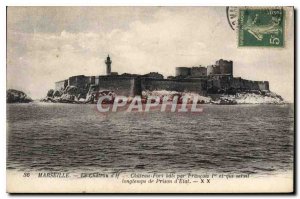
<point x="15" y="96"/>
<point x="214" y="84"/>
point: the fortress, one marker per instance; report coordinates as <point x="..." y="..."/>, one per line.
<point x="210" y="80"/>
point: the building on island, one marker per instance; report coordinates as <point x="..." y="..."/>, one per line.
<point x="213" y="79"/>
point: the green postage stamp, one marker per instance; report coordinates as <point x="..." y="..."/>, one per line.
<point x="261" y="27"/>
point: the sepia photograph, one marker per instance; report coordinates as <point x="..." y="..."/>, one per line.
<point x="156" y="99"/>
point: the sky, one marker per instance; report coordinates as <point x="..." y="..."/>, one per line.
<point x="48" y="44"/>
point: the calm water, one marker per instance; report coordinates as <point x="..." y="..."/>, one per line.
<point x="244" y="138"/>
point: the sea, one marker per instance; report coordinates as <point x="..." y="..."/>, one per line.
<point x="252" y="139"/>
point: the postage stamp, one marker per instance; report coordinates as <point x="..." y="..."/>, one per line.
<point x="261" y="27"/>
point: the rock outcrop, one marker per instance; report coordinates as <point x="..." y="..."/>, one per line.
<point x="69" y="95"/>
<point x="15" y="96"/>
<point x="255" y="97"/>
<point x="72" y="94"/>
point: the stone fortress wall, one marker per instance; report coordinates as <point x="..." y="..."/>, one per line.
<point x="225" y="84"/>
<point x="179" y="85"/>
<point x="196" y="71"/>
<point x="214" y="79"/>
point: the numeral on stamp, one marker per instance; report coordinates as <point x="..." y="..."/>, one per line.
<point x="261" y="27"/>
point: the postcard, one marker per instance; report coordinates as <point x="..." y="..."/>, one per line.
<point x="150" y="100"/>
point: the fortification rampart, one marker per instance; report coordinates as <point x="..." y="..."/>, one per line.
<point x="214" y="79"/>
<point x="127" y="86"/>
<point x="184" y="85"/>
<point x="227" y="84"/>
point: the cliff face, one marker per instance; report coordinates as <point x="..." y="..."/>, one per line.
<point x="72" y="95"/>
<point x="15" y="96"/>
<point x="250" y="98"/>
<point x="257" y="97"/>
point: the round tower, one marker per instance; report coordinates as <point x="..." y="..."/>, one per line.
<point x="183" y="71"/>
<point x="108" y="65"/>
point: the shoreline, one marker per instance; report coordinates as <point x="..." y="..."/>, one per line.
<point x="163" y="96"/>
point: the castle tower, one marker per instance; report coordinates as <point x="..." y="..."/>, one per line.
<point x="108" y="65"/>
